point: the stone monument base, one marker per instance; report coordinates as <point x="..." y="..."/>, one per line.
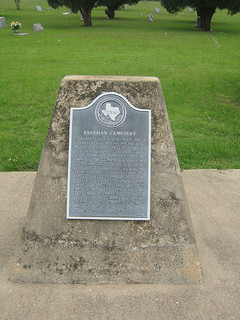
<point x="56" y="250"/>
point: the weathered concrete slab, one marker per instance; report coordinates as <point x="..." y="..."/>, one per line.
<point x="214" y="202"/>
<point x="56" y="250"/>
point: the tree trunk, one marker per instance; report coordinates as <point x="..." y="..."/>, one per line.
<point x="198" y="20"/>
<point x="17" y="3"/>
<point x="205" y="17"/>
<point x="87" y="18"/>
<point x="110" y="12"/>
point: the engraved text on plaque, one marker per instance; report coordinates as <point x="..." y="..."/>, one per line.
<point x="109" y="160"/>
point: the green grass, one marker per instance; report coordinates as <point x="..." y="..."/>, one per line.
<point x="201" y="82"/>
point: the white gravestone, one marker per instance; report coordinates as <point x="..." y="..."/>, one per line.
<point x="157" y="10"/>
<point x="38" y="27"/>
<point x="2" y="22"/>
<point x="150" y="17"/>
<point x="38" y="8"/>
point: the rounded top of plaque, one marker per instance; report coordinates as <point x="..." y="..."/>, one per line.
<point x="110" y="112"/>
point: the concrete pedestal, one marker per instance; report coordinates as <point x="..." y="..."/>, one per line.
<point x="56" y="250"/>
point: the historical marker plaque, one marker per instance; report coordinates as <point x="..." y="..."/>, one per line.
<point x="109" y="160"/>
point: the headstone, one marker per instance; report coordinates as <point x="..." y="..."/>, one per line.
<point x="157" y="10"/>
<point x="38" y="27"/>
<point x="55" y="249"/>
<point x="2" y="22"/>
<point x="125" y="7"/>
<point x="109" y="161"/>
<point x="190" y="10"/>
<point x="150" y="17"/>
<point x="65" y="13"/>
<point x="38" y="8"/>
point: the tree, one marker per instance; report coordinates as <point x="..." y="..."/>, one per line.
<point x="84" y="6"/>
<point x="113" y="5"/>
<point x="205" y="8"/>
<point x="17" y="3"/>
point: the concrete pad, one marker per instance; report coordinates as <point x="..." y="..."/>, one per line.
<point x="214" y="202"/>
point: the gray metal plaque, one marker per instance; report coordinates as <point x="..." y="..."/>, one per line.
<point x="109" y="160"/>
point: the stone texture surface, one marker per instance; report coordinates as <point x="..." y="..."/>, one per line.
<point x="56" y="250"/>
<point x="2" y="22"/>
<point x="38" y="27"/>
<point x="38" y="8"/>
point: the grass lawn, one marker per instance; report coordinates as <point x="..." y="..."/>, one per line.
<point x="200" y="80"/>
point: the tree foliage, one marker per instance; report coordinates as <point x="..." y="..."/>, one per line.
<point x="205" y="8"/>
<point x="86" y="6"/>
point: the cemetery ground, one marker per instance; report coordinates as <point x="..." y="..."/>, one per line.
<point x="200" y="80"/>
<point x="199" y="73"/>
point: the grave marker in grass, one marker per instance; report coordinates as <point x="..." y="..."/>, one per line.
<point x="2" y="22"/>
<point x="38" y="27"/>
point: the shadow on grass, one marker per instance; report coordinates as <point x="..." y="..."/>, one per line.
<point x="224" y="27"/>
<point x="137" y="23"/>
<point x="164" y="25"/>
<point x="124" y="24"/>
